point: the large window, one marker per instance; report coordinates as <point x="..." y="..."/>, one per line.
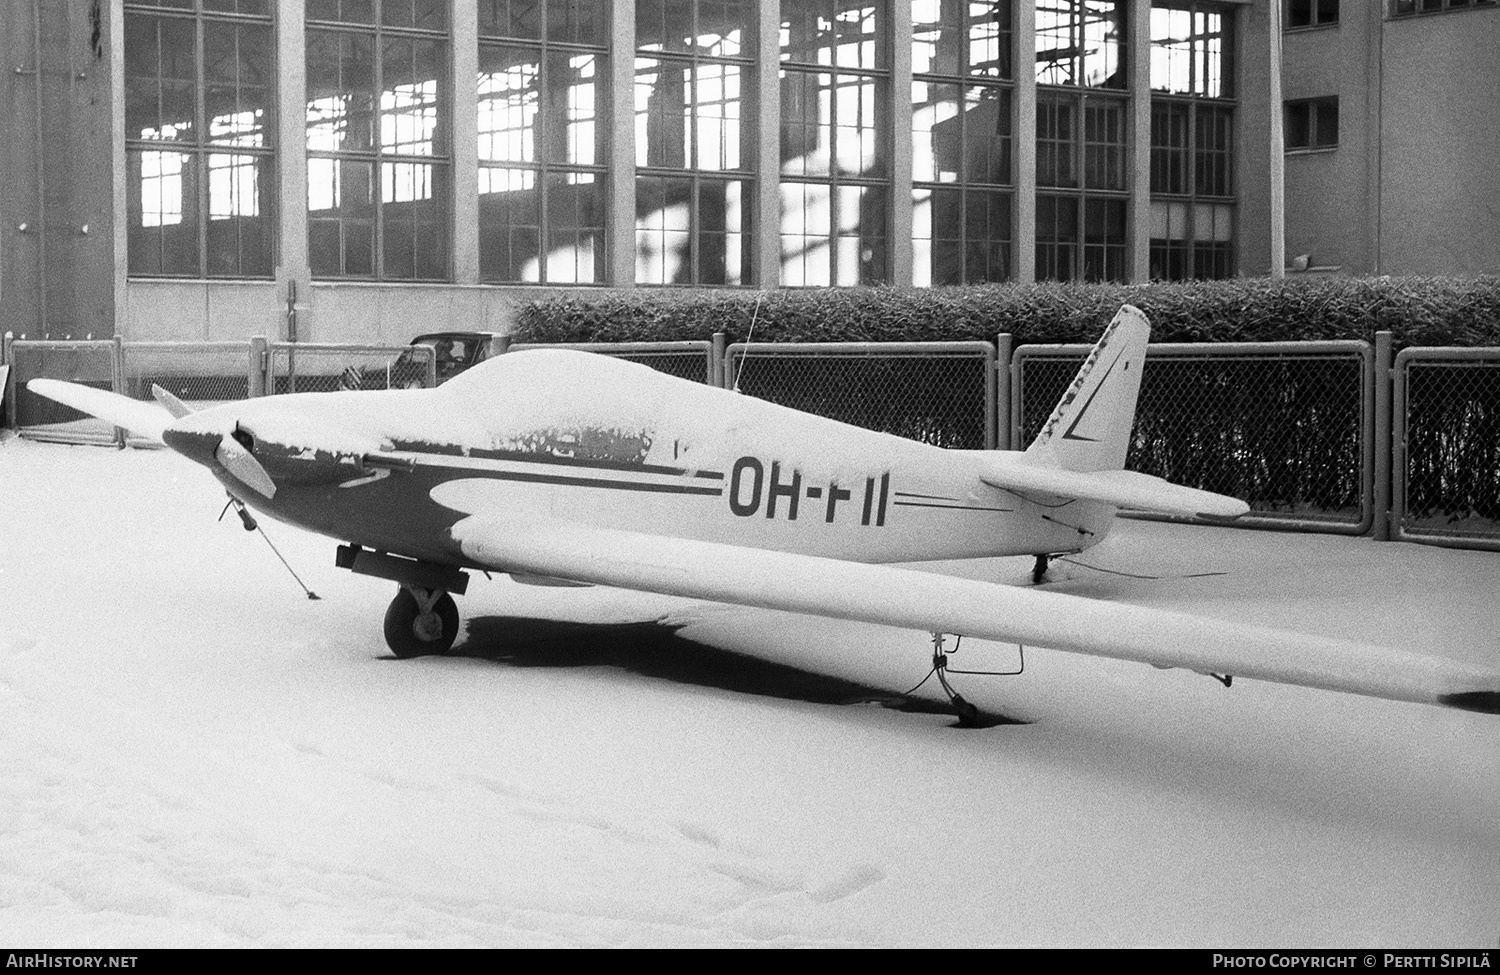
<point x="1080" y="141"/>
<point x="1192" y="140"/>
<point x="378" y="166"/>
<point x="542" y="94"/>
<point x="693" y="111"/>
<point x="961" y="141"/>
<point x="835" y="121"/>
<point x="199" y="152"/>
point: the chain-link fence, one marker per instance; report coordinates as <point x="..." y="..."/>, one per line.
<point x="198" y="373"/>
<point x="92" y="363"/>
<point x="942" y="393"/>
<point x="685" y="360"/>
<point x="1287" y="427"/>
<point x="309" y="367"/>
<point x="1446" y="440"/>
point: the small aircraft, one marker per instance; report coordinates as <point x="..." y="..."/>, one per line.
<point x="575" y="468"/>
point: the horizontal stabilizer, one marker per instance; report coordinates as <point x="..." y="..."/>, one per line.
<point x="1123" y="489"/>
<point x="936" y="603"/>
<point x="173" y="405"/>
<point x="142" y="419"/>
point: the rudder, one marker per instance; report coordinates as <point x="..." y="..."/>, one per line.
<point x="1089" y="430"/>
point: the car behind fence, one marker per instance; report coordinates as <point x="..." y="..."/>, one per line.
<point x="1326" y="436"/>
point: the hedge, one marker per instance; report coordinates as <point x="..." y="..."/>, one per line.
<point x="1419" y="311"/>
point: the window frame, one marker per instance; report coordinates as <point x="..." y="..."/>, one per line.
<point x="1312" y="106"/>
<point x="198" y="152"/>
<point x="697" y="178"/>
<point x="548" y="174"/>
<point x="845" y="190"/>
<point x="1315" y="17"/>
<point x="439" y="160"/>
<point x="971" y="193"/>
<point x="1203" y="167"/>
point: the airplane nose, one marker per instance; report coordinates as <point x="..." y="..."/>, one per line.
<point x="196" y="446"/>
<point x="227" y="452"/>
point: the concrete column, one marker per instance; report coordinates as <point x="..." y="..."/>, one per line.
<point x="1374" y="90"/>
<point x="1277" y="158"/>
<point x="1138" y="139"/>
<point x="1023" y="249"/>
<point x="620" y="189"/>
<point x="765" y="226"/>
<point x="465" y="143"/>
<point x="293" y="274"/>
<point x="900" y="248"/>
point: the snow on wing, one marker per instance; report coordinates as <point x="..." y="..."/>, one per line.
<point x="921" y="600"/>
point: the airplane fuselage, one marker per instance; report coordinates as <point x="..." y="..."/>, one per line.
<point x="602" y="442"/>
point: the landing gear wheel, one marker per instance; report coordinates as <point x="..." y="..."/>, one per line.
<point x="420" y="621"/>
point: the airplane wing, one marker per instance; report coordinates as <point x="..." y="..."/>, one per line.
<point x="1123" y="489"/>
<point x="144" y="419"/>
<point x="926" y="601"/>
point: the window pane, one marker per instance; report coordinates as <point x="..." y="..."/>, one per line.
<point x="341" y="217"/>
<point x="510" y="224"/>
<point x="835" y="33"/>
<point x="240" y="208"/>
<point x="1056" y="238"/>
<point x="342" y="11"/>
<point x="341" y="95"/>
<point x="663" y="230"/>
<point x="1080" y="42"/>
<point x="161" y="79"/>
<point x="723" y="232"/>
<point x="414" y="231"/>
<point x="409" y="101"/>
<point x="510" y="18"/>
<point x="1055" y="136"/>
<point x="509" y="103"/>
<point x="1104" y="145"/>
<point x="574" y="210"/>
<point x="237" y="83"/>
<point x="162" y="212"/>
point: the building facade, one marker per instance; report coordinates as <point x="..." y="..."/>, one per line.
<point x="364" y="170"/>
<point x="1392" y="129"/>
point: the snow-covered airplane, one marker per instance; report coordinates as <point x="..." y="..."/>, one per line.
<point x="578" y="468"/>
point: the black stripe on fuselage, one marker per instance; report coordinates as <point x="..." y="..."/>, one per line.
<point x="459" y="462"/>
<point x="522" y="457"/>
<point x="947" y="507"/>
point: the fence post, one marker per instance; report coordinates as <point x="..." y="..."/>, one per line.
<point x="257" y="366"/>
<point x="117" y="382"/>
<point x="1383" y="446"/>
<point x="716" y="360"/>
<point x="1000" y="397"/>
<point x="8" y="390"/>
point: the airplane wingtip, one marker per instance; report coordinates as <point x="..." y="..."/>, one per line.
<point x="1484" y="702"/>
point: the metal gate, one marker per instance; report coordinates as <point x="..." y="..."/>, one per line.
<point x="942" y="393"/>
<point x="93" y="363"/>
<point x="1286" y="426"/>
<point x="1445" y="467"/>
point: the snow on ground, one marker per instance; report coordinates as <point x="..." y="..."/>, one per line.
<point x="193" y="754"/>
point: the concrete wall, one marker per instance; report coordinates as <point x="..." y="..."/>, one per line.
<point x="390" y="314"/>
<point x="56" y="275"/>
<point x="1252" y="159"/>
<point x="1328" y="192"/>
<point x="1440" y="195"/>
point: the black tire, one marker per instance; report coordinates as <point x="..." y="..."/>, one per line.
<point x="406" y="639"/>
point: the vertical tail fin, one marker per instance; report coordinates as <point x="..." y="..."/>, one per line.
<point x="1089" y="430"/>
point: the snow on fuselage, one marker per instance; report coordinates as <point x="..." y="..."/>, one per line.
<point x="601" y="441"/>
